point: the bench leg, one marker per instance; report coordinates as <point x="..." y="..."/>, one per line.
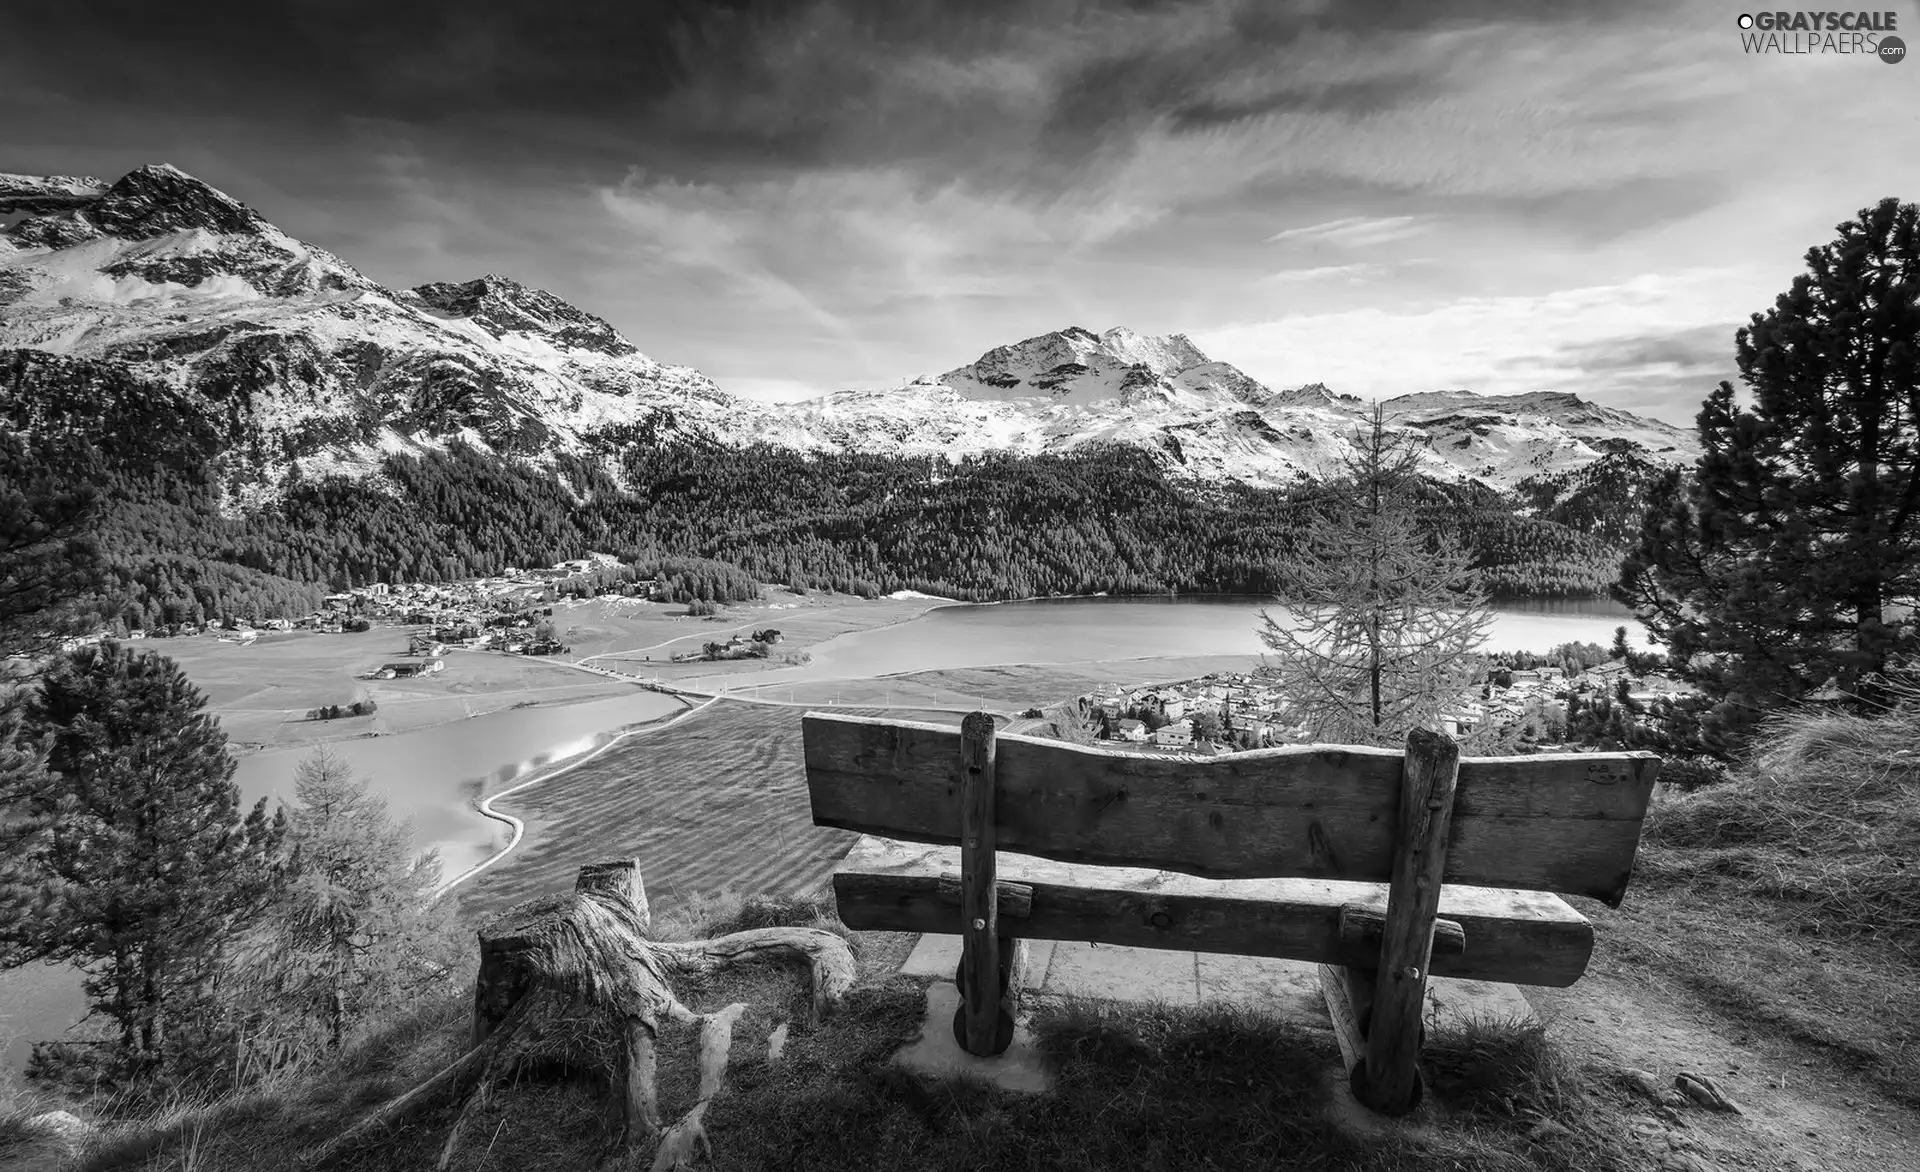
<point x="1387" y="1079"/>
<point x="981" y="1029"/>
<point x="1012" y="979"/>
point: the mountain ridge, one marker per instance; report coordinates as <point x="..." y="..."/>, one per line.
<point x="323" y="368"/>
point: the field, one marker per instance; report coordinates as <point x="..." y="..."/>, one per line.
<point x="719" y="799"/>
<point x="262" y="693"/>
<point x="630" y="628"/>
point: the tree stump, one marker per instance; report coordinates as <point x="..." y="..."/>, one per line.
<point x="594" y="946"/>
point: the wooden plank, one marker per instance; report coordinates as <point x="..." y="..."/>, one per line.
<point x="1566" y="823"/>
<point x="1017" y="957"/>
<point x="1526" y="937"/>
<point x="980" y="926"/>
<point x="1009" y="899"/>
<point x="1364" y="926"/>
<point x="1338" y="992"/>
<point x="1391" y="1081"/>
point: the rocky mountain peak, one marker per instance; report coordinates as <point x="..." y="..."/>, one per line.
<point x="502" y="306"/>
<point x="1165" y="356"/>
<point x="1314" y="395"/>
<point x="1077" y="366"/>
<point x="159" y="198"/>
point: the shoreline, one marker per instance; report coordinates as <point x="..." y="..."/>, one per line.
<point x="485" y="804"/>
<point x="1496" y="600"/>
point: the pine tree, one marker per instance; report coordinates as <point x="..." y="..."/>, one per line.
<point x="128" y="851"/>
<point x="1390" y="612"/>
<point x="1788" y="559"/>
<point x="356" y="929"/>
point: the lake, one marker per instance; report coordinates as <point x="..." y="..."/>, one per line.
<point x="1068" y="630"/>
<point x="435" y="775"/>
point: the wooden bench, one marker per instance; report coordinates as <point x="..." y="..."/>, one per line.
<point x="1327" y="853"/>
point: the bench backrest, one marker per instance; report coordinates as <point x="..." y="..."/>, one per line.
<point x="1567" y="823"/>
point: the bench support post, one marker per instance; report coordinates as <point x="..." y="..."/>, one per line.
<point x="1387" y="1079"/>
<point x="984" y="1025"/>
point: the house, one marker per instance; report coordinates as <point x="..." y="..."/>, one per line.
<point x="1176" y="706"/>
<point x="1177" y="735"/>
<point x="410" y="668"/>
<point x="1130" y="730"/>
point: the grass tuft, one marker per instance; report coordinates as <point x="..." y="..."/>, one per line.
<point x="1825" y="817"/>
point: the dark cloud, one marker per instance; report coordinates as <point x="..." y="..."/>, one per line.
<point x="1665" y="375"/>
<point x="661" y="81"/>
<point x="1601" y="213"/>
<point x="1701" y="355"/>
<point x="1345" y="97"/>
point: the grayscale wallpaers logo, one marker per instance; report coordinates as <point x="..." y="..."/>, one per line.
<point x="1865" y="34"/>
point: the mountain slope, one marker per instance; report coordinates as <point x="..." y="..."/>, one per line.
<point x="310" y="360"/>
<point x="307" y="362"/>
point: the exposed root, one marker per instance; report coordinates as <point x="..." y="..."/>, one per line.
<point x="592" y="946"/>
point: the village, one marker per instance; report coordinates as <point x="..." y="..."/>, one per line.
<point x="1236" y="711"/>
<point x="500" y="613"/>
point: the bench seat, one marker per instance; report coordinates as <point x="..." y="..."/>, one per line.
<point x="1520" y="937"/>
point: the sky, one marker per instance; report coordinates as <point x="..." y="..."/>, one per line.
<point x="1385" y="196"/>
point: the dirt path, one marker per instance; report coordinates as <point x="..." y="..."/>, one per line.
<point x="1802" y="1111"/>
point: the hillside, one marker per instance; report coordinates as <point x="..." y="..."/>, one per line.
<point x="1754" y="947"/>
<point x="277" y="423"/>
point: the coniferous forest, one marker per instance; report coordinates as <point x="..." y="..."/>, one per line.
<point x="182" y="545"/>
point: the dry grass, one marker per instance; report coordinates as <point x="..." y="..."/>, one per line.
<point x="20" y="1144"/>
<point x="1788" y="898"/>
<point x="1825" y="817"/>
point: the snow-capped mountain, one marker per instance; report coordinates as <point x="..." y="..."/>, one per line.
<point x="308" y="361"/>
<point x="313" y="362"/>
<point x="1207" y="420"/>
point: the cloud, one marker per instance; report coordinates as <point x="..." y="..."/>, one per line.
<point x="1352" y="272"/>
<point x="1650" y="338"/>
<point x="859" y="237"/>
<point x="834" y="192"/>
<point x="1353" y="231"/>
